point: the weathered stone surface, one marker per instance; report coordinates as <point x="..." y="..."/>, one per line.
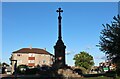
<point x="68" y="73"/>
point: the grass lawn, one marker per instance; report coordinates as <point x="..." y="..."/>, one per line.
<point x="101" y="77"/>
<point x="63" y="78"/>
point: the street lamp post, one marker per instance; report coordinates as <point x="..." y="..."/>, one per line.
<point x="15" y="67"/>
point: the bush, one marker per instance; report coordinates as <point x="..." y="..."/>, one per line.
<point x="84" y="71"/>
<point x="118" y="77"/>
<point x="32" y="71"/>
<point x="21" y="69"/>
<point x="80" y="70"/>
<point x="110" y="74"/>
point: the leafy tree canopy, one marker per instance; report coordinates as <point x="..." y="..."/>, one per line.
<point x="0" y="64"/>
<point x="83" y="59"/>
<point x="110" y="40"/>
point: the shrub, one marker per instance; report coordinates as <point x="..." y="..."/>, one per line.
<point x="32" y="71"/>
<point x="80" y="70"/>
<point x="21" y="69"/>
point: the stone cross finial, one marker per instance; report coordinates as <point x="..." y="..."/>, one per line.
<point x="59" y="23"/>
<point x="59" y="10"/>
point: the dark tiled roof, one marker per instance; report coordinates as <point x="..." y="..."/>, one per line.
<point x="32" y="50"/>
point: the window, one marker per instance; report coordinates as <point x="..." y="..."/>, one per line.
<point x="18" y="54"/>
<point x="31" y="61"/>
<point x="44" y="61"/>
<point x="19" y="61"/>
<point x="31" y="55"/>
<point x="42" y="54"/>
<point x="47" y="55"/>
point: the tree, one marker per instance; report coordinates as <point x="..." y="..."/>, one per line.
<point x="83" y="59"/>
<point x="0" y="64"/>
<point x="110" y="41"/>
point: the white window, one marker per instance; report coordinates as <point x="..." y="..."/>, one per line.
<point x="44" y="61"/>
<point x="31" y="55"/>
<point x="42" y="54"/>
<point x="18" y="54"/>
<point x="19" y="61"/>
<point x="31" y="61"/>
<point x="47" y="55"/>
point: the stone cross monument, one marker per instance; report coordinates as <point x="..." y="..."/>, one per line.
<point x="59" y="47"/>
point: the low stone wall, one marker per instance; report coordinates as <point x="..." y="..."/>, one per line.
<point x="68" y="73"/>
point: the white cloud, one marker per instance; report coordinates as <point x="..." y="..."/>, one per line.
<point x="101" y="57"/>
<point x="69" y="52"/>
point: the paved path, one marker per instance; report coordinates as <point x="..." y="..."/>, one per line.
<point x="9" y="75"/>
<point x="5" y="76"/>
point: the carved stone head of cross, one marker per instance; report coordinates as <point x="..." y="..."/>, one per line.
<point x="59" y="11"/>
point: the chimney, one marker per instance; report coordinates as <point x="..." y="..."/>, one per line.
<point x="45" y="49"/>
<point x="30" y="46"/>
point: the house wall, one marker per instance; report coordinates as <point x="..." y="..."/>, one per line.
<point x="31" y="59"/>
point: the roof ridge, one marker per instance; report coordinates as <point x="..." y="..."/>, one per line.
<point x="33" y="50"/>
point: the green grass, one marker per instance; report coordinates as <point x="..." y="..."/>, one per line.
<point x="101" y="77"/>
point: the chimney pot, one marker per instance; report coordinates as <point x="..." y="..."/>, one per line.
<point x="44" y="48"/>
<point x="30" y="47"/>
